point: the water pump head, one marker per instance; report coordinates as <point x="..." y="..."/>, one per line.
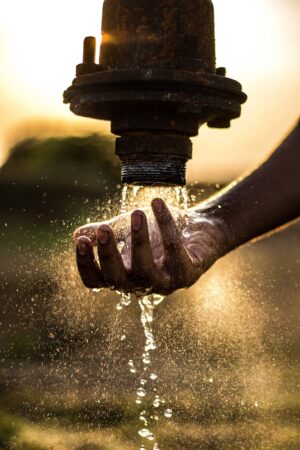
<point x="157" y="83"/>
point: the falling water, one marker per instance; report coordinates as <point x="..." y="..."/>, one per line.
<point x="140" y="197"/>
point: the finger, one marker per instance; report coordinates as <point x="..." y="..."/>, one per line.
<point x="176" y="256"/>
<point x="89" y="231"/>
<point x="88" y="268"/>
<point x="112" y="265"/>
<point x="143" y="268"/>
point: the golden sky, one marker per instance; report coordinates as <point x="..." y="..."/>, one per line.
<point x="257" y="40"/>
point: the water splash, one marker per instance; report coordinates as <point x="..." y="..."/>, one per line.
<point x="137" y="197"/>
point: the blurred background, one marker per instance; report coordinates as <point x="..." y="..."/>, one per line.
<point x="228" y="350"/>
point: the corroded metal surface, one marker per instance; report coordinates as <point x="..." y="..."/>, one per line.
<point x="171" y="34"/>
<point x="157" y="79"/>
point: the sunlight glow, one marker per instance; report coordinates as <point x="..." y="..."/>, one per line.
<point x="257" y="40"/>
<point x="43" y="43"/>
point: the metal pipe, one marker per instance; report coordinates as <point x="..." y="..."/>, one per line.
<point x="157" y="83"/>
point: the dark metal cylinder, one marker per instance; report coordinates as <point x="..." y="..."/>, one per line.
<point x="165" y="34"/>
<point x="156" y="83"/>
<point x="148" y="158"/>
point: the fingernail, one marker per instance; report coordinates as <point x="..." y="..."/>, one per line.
<point x="82" y="248"/>
<point x="103" y="236"/>
<point x="158" y="205"/>
<point x="137" y="220"/>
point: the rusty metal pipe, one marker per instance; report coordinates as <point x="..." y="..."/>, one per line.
<point x="157" y="83"/>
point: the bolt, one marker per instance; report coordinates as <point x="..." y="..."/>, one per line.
<point x="89" y="50"/>
<point x="221" y="71"/>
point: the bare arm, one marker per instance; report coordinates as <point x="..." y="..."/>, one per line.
<point x="262" y="201"/>
<point x="265" y="199"/>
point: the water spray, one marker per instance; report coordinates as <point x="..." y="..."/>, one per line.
<point x="157" y="83"/>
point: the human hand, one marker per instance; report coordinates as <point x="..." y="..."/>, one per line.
<point x="157" y="257"/>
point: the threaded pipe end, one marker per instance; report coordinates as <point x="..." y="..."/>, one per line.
<point x="159" y="170"/>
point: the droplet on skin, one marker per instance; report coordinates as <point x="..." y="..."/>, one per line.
<point x="123" y="337"/>
<point x="186" y="233"/>
<point x="153" y="376"/>
<point x="121" y="245"/>
<point x="210" y="380"/>
<point x="156" y="447"/>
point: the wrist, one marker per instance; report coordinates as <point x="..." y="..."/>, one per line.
<point x="215" y="227"/>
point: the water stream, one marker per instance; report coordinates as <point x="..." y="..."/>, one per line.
<point x="134" y="197"/>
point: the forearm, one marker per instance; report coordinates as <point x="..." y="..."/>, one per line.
<point x="265" y="199"/>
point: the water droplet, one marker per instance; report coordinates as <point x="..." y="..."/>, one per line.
<point x="132" y="369"/>
<point x="168" y="413"/>
<point x="150" y="345"/>
<point x="138" y="401"/>
<point x="121" y="246"/>
<point x="97" y="290"/>
<point x="156" y="403"/>
<point x="143" y="382"/>
<point x="186" y="233"/>
<point x="123" y="337"/>
<point x="119" y="307"/>
<point x="145" y="433"/>
<point x="210" y="380"/>
<point x="156" y="447"/>
<point x="256" y="404"/>
<point x="141" y="392"/>
<point x="126" y="299"/>
<point x="143" y="419"/>
<point x="146" y="359"/>
<point x="153" y="376"/>
<point x="157" y="299"/>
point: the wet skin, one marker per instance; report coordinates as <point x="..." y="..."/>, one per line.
<point x="178" y="260"/>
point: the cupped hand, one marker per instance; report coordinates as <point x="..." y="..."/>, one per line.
<point x="156" y="258"/>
